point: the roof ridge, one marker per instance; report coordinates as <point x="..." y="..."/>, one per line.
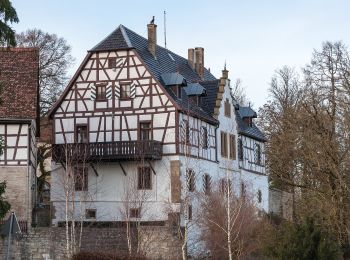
<point x="125" y="38"/>
<point x="125" y="35"/>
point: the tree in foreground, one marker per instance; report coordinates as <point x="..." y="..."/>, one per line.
<point x="228" y="222"/>
<point x="54" y="60"/>
<point x="8" y="14"/>
<point x="307" y="124"/>
<point x="4" y="205"/>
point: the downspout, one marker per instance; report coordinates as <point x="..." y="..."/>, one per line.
<point x="28" y="173"/>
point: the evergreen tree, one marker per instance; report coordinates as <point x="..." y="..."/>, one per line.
<point x="4" y="205"/>
<point x="8" y="14"/>
<point x="303" y="241"/>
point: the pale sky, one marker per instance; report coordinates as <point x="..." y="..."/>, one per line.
<point x="255" y="37"/>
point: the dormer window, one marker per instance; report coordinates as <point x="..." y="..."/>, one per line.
<point x="176" y="89"/>
<point x="248" y="121"/>
<point x="227" y="108"/>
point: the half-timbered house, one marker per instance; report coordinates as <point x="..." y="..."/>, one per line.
<point x="19" y="115"/>
<point x="135" y="111"/>
<point x="251" y="156"/>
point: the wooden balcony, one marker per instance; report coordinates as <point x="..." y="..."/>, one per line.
<point x="107" y="151"/>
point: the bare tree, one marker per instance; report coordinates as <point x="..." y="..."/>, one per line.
<point x="239" y="94"/>
<point x="307" y="125"/>
<point x="54" y="61"/>
<point x="227" y="222"/>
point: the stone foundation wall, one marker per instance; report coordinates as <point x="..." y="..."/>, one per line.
<point x="17" y="191"/>
<point x="50" y="243"/>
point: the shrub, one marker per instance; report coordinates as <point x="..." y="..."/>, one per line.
<point x="302" y="241"/>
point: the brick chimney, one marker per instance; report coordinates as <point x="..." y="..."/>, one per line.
<point x="199" y="61"/>
<point x="191" y="58"/>
<point x="152" y="38"/>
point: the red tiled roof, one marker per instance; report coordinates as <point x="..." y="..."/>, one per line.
<point x="19" y="70"/>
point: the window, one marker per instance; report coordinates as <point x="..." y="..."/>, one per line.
<point x="187" y="132"/>
<point x="240" y="149"/>
<point x="145" y="131"/>
<point x="90" y="213"/>
<point x="233" y="147"/>
<point x="101" y="92"/>
<point x="227" y="108"/>
<point x="81" y="134"/>
<point x="257" y="154"/>
<point x="81" y="178"/>
<point x="125" y="91"/>
<point x="204" y="137"/>
<point x="243" y="189"/>
<point x="176" y="89"/>
<point x="206" y="183"/>
<point x="225" y="186"/>
<point x="190" y="176"/>
<point x="224" y="145"/>
<point x="248" y="121"/>
<point x="259" y="196"/>
<point x="190" y="212"/>
<point x="134" y="213"/>
<point x="112" y="63"/>
<point x="144" y="178"/>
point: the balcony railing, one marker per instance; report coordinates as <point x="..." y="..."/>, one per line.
<point x="107" y="151"/>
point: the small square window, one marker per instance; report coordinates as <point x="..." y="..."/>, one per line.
<point x="90" y="213"/>
<point x="134" y="213"/>
<point x="112" y="63"/>
<point x="144" y="178"/>
<point x="125" y="91"/>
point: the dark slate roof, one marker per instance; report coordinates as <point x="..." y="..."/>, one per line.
<point x="173" y="78"/>
<point x="194" y="89"/>
<point x="166" y="61"/>
<point x="208" y="101"/>
<point x="244" y="129"/>
<point x="247" y="112"/>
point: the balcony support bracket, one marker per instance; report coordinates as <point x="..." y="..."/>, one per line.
<point x="150" y="165"/>
<point x="94" y="169"/>
<point x="122" y="168"/>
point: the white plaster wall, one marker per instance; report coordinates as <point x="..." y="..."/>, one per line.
<point x="107" y="191"/>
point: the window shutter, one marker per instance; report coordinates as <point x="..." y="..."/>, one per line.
<point x="93" y="92"/>
<point x="117" y="92"/>
<point x="109" y="92"/>
<point x="133" y="91"/>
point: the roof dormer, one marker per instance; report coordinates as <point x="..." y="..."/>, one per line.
<point x="247" y="114"/>
<point x="175" y="81"/>
<point x="195" y="91"/>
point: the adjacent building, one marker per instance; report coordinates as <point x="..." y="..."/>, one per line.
<point x="19" y="114"/>
<point x="139" y="127"/>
